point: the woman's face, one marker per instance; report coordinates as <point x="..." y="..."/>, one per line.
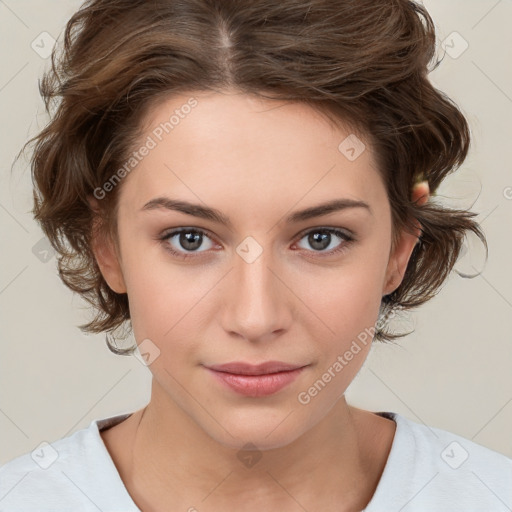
<point x="256" y="280"/>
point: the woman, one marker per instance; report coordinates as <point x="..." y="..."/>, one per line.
<point x="246" y="185"/>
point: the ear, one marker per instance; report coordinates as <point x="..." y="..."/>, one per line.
<point x="400" y="256"/>
<point x="105" y="253"/>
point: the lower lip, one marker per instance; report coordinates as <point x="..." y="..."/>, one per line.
<point x="257" y="385"/>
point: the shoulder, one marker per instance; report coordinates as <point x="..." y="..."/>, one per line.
<point x="34" y="480"/>
<point x="440" y="470"/>
<point x="72" y="473"/>
<point x="441" y="449"/>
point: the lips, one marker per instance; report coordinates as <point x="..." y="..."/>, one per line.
<point x="240" y="368"/>
<point x="258" y="380"/>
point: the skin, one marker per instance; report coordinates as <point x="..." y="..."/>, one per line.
<point x="256" y="161"/>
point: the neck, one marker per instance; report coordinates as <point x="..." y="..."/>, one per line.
<point x="173" y="460"/>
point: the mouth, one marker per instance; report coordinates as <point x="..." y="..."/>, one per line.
<point x="240" y="368"/>
<point x="258" y="380"/>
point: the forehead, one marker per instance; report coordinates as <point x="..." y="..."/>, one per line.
<point x="225" y="148"/>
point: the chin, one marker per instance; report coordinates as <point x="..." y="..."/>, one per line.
<point x="262" y="430"/>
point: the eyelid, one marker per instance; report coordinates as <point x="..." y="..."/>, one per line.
<point x="347" y="232"/>
<point x="172" y="232"/>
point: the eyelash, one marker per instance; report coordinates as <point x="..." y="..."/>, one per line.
<point x="348" y="239"/>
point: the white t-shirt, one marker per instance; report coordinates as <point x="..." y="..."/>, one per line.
<point x="428" y="470"/>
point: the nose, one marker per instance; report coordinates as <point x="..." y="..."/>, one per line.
<point x="258" y="306"/>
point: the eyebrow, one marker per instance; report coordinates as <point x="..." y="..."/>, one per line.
<point x="205" y="212"/>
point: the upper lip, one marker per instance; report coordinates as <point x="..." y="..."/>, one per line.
<point x="240" y="368"/>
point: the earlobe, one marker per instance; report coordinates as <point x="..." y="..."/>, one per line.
<point x="106" y="256"/>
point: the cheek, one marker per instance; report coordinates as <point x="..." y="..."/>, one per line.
<point x="162" y="300"/>
<point x="348" y="307"/>
<point x="166" y="301"/>
<point x="346" y="299"/>
<point x="153" y="290"/>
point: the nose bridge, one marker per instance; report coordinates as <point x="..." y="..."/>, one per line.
<point x="257" y="302"/>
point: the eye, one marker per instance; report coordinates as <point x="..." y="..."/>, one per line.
<point x="185" y="240"/>
<point x="321" y="239"/>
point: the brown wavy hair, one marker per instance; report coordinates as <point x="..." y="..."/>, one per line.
<point x="363" y="63"/>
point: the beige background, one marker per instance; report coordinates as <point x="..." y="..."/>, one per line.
<point x="453" y="372"/>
